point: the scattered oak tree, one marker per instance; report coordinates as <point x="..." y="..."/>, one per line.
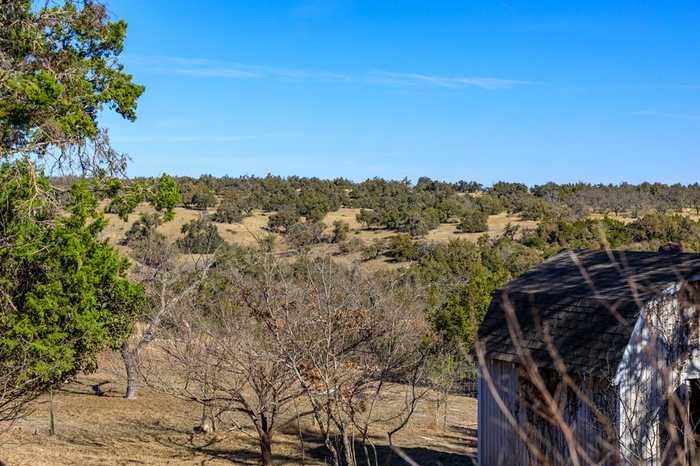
<point x="473" y="221"/>
<point x="200" y="236"/>
<point x="283" y="220"/>
<point x="341" y="230"/>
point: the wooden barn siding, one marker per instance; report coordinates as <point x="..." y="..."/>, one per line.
<point x="651" y="369"/>
<point x="499" y="443"/>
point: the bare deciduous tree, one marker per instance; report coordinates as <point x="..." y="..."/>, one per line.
<point x="220" y="354"/>
<point x="168" y="279"/>
<point x="275" y="342"/>
<point x="350" y="342"/>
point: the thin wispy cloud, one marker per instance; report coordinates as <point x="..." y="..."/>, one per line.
<point x="455" y="82"/>
<point x="201" y="68"/>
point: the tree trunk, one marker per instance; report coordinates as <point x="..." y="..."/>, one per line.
<point x="265" y="449"/>
<point x="348" y="449"/>
<point x="52" y="423"/>
<point x="436" y="420"/>
<point x="131" y="377"/>
<point x="332" y="447"/>
<point x="446" y="400"/>
<point x="390" y="451"/>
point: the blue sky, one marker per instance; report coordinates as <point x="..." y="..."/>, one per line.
<point x="490" y="90"/>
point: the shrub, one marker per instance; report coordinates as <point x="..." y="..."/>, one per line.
<point x="314" y="215"/>
<point x="347" y="247"/>
<point x="369" y="218"/>
<point x="200" y="236"/>
<point x="341" y="230"/>
<point x="490" y="204"/>
<point x="402" y="248"/>
<point x="228" y="212"/>
<point x="458" y="317"/>
<point x="372" y="250"/>
<point x="302" y="235"/>
<point x="204" y="199"/>
<point x="197" y="196"/>
<point x="474" y="221"/>
<point x="419" y="223"/>
<point x="267" y="243"/>
<point x="282" y="220"/>
<point x="143" y="228"/>
<point x="664" y="228"/>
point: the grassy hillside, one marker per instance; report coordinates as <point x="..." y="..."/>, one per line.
<point x="254" y="227"/>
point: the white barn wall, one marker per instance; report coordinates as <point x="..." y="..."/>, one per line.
<point x="652" y="368"/>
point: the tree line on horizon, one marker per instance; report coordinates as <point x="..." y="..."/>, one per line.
<point x="627" y="214"/>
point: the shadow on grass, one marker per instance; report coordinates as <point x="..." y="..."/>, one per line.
<point x="210" y="445"/>
<point x="384" y="455"/>
<point x="247" y="453"/>
<point x="424" y="456"/>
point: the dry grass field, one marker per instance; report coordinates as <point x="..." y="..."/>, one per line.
<point x="497" y="224"/>
<point x="252" y="228"/>
<point x="156" y="429"/>
<point x="244" y="233"/>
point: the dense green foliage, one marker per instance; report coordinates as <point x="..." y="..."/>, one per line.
<point x="141" y="229"/>
<point x="473" y="221"/>
<point x="59" y="70"/>
<point x="646" y="233"/>
<point x="198" y="196"/>
<point x="199" y="236"/>
<point x="460" y="277"/>
<point x="282" y="220"/>
<point x="162" y="193"/>
<point x="65" y="293"/>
